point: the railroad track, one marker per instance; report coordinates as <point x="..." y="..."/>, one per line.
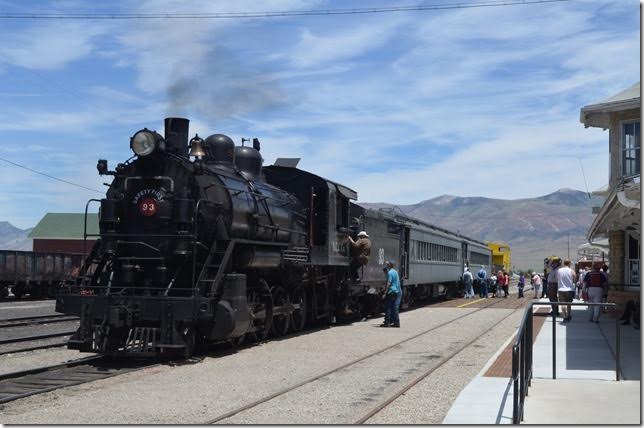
<point x="391" y="398"/>
<point x="25" y="383"/>
<point x="32" y="322"/>
<point x="36" y="320"/>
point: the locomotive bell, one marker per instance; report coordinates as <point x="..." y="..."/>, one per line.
<point x="196" y="147"/>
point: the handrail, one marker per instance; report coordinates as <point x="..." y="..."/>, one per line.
<point x="522" y="352"/>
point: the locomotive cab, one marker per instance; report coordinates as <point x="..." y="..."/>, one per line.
<point x="328" y="211"/>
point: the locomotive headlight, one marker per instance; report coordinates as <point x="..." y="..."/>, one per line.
<point x="143" y="143"/>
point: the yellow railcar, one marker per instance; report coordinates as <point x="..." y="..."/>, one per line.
<point x="500" y="255"/>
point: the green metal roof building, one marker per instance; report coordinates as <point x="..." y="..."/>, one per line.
<point x="63" y="233"/>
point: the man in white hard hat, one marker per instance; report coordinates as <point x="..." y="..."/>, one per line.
<point x="360" y="250"/>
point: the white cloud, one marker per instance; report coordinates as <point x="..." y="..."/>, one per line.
<point x="50" y="45"/>
<point x="330" y="45"/>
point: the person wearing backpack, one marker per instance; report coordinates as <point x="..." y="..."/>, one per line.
<point x="595" y="282"/>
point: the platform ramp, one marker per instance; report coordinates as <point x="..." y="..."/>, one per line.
<point x="582" y="401"/>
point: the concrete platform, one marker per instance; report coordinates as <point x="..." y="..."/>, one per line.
<point x="602" y="402"/>
<point x="585" y="371"/>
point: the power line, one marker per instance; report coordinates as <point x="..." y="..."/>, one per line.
<point x="49" y="176"/>
<point x="581" y="165"/>
<point x="278" y="14"/>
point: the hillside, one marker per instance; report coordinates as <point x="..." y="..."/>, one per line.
<point x="12" y="238"/>
<point x="533" y="227"/>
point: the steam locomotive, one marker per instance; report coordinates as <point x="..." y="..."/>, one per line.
<point x="199" y="242"/>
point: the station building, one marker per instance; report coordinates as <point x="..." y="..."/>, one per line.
<point x="63" y="233"/>
<point x="618" y="219"/>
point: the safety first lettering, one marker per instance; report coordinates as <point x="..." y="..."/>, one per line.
<point x="154" y="193"/>
<point x="147" y="200"/>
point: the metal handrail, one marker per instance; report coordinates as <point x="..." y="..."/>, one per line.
<point x="522" y="352"/>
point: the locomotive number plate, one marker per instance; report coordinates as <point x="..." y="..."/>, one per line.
<point x="148" y="207"/>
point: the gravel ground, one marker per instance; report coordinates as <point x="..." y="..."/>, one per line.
<point x="38" y="358"/>
<point x="35" y="330"/>
<point x="345" y="396"/>
<point x="423" y="405"/>
<point x="26" y="308"/>
<point x="200" y="392"/>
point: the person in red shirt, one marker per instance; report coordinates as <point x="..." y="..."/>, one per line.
<point x="503" y="279"/>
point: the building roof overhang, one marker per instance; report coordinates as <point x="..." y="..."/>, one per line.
<point x="598" y="115"/>
<point x="621" y="211"/>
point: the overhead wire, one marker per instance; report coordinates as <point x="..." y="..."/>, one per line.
<point x="48" y="175"/>
<point x="274" y="14"/>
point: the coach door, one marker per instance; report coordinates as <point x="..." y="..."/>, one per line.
<point x="463" y="256"/>
<point x="405" y="254"/>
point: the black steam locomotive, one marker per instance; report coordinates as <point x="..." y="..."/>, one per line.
<point x="207" y="245"/>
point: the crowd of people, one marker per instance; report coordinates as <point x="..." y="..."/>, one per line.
<point x="486" y="285"/>
<point x="560" y="284"/>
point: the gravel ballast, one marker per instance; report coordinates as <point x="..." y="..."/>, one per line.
<point x="200" y="392"/>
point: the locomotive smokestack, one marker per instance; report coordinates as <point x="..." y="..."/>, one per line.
<point x="176" y="134"/>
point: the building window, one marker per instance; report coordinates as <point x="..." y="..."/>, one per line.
<point x="630" y="149"/>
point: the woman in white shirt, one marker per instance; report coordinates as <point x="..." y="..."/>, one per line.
<point x="536" y="283"/>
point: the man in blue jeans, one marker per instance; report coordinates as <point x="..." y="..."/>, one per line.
<point x="482" y="276"/>
<point x="393" y="295"/>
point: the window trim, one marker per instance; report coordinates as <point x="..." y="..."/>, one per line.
<point x="622" y="149"/>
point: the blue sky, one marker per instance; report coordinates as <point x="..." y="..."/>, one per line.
<point x="401" y="107"/>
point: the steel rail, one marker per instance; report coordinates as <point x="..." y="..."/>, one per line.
<point x="36" y="317"/>
<point x="34" y="348"/>
<point x="23" y="373"/>
<point x="43" y="319"/>
<point x="419" y="378"/>
<point x="34" y="338"/>
<point x="336" y="369"/>
<point x="30" y="382"/>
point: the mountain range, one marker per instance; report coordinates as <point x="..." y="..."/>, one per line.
<point x="13" y="238"/>
<point x="534" y="228"/>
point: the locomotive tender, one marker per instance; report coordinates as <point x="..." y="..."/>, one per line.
<point x="210" y="246"/>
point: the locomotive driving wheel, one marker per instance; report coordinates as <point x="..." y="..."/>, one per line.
<point x="298" y="317"/>
<point x="281" y="311"/>
<point x="260" y="304"/>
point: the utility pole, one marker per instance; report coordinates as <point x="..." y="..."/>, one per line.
<point x="568" y="235"/>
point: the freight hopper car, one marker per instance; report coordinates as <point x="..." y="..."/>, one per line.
<point x="35" y="273"/>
